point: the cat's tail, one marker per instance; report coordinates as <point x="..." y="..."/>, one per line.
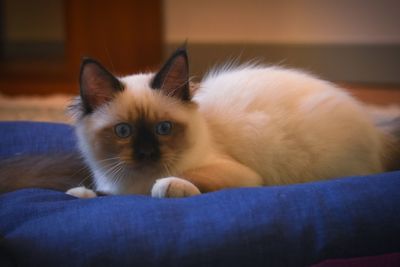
<point x="387" y="119"/>
<point x="54" y="171"/>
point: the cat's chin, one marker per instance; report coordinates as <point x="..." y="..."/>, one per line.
<point x="147" y="168"/>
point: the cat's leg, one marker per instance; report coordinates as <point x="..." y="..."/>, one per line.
<point x="222" y="173"/>
<point x="173" y="187"/>
<point x="81" y="192"/>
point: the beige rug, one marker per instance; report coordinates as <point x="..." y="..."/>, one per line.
<point x="53" y="109"/>
<point x="35" y="108"/>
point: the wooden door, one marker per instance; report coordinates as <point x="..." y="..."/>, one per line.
<point x="125" y="35"/>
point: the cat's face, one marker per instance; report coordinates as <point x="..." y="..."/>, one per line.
<point x="138" y="128"/>
<point x="145" y="130"/>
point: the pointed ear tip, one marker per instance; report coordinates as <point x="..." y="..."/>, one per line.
<point x="87" y="64"/>
<point x="86" y="60"/>
<point x="183" y="49"/>
<point x="181" y="52"/>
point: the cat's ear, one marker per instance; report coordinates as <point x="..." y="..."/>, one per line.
<point x="97" y="85"/>
<point x="173" y="78"/>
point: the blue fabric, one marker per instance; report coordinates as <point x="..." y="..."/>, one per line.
<point x="293" y="225"/>
<point x="17" y="138"/>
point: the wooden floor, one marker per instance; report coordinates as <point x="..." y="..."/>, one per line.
<point x="375" y="94"/>
<point x="371" y="94"/>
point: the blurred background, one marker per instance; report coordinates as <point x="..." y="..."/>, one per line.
<point x="355" y="43"/>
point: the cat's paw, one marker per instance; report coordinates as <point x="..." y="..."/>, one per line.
<point x="174" y="187"/>
<point x="81" y="192"/>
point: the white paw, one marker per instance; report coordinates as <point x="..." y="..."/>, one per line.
<point x="174" y="187"/>
<point x="81" y="192"/>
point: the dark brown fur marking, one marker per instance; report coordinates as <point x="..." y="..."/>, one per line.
<point x="53" y="171"/>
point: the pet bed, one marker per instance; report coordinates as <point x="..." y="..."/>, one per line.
<point x="353" y="221"/>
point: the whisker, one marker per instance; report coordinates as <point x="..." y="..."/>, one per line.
<point x="119" y="175"/>
<point x="108" y="159"/>
<point x="89" y="176"/>
<point x="112" y="168"/>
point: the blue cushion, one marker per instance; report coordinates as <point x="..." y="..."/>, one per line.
<point x="17" y="138"/>
<point x="292" y="225"/>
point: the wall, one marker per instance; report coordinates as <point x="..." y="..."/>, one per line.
<point x="345" y="40"/>
<point x="34" y="21"/>
<point x="33" y="29"/>
<point x="284" y="21"/>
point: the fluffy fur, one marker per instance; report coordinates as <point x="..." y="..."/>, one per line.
<point x="250" y="125"/>
<point x="57" y="171"/>
<point x="245" y="126"/>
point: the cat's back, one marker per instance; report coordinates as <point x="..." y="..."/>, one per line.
<point x="286" y="123"/>
<point x="252" y="87"/>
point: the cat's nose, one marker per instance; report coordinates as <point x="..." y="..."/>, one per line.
<point x="146" y="153"/>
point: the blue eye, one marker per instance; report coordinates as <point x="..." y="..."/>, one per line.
<point x="123" y="130"/>
<point x="164" y="128"/>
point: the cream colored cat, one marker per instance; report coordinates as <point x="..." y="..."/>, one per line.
<point x="245" y="126"/>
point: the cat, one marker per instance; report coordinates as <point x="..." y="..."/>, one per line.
<point x="246" y="126"/>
